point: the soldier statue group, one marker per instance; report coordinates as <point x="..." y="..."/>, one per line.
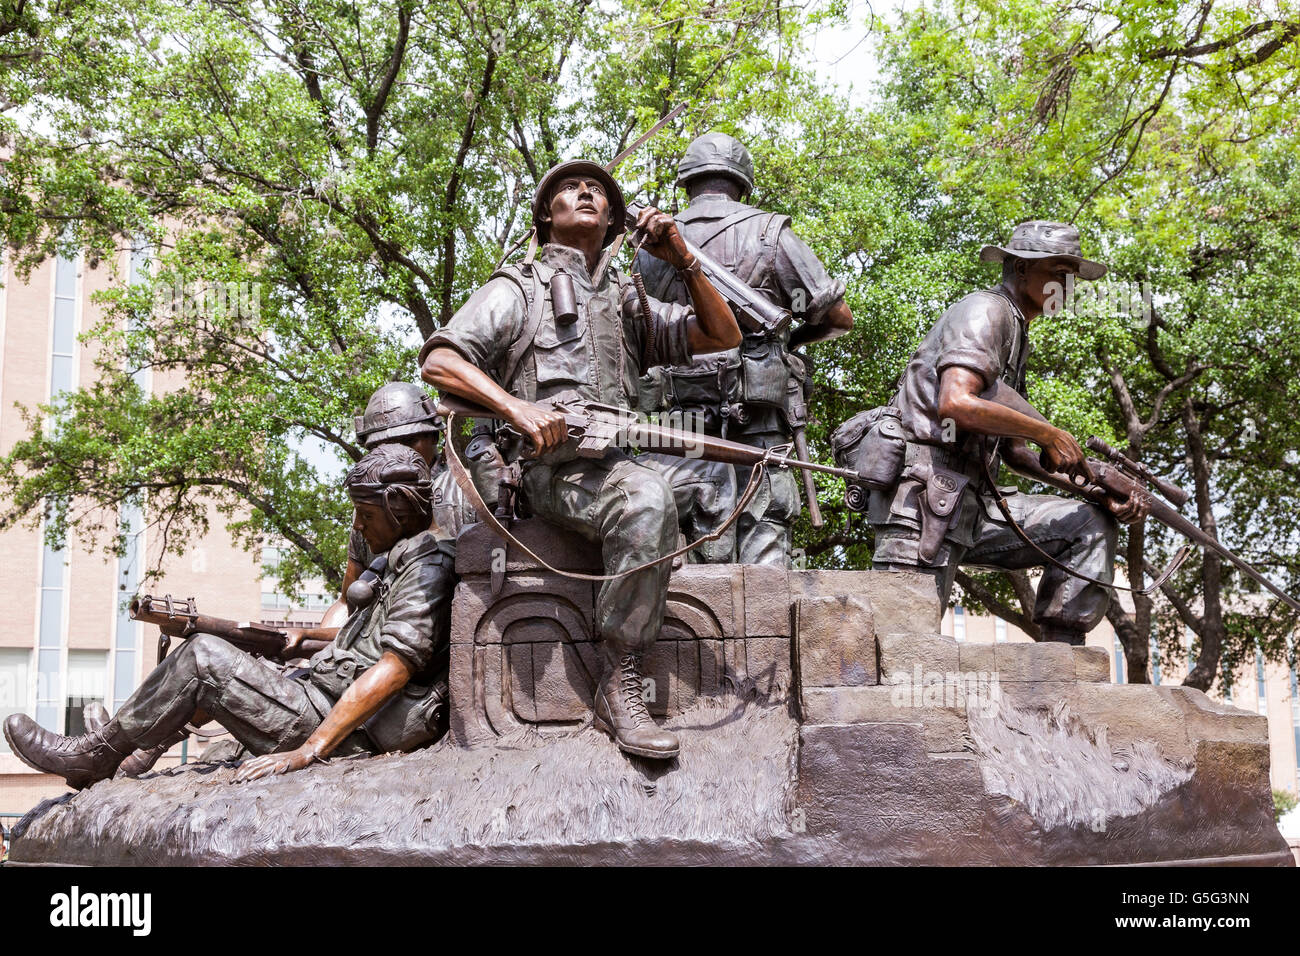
<point x="566" y="325"/>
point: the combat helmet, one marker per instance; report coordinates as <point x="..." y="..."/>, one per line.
<point x="717" y="153"/>
<point x="580" y="167"/>
<point x="397" y="410"/>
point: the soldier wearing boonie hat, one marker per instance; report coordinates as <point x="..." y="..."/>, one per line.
<point x="937" y="513"/>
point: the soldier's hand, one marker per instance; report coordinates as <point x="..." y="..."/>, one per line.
<point x="1063" y="455"/>
<point x="546" y="430"/>
<point x="662" y="239"/>
<point x="1129" y="510"/>
<point x="294" y="637"/>
<point x="270" y="764"/>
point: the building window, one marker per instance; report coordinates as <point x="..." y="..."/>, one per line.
<point x="126" y="632"/>
<point x="959" y="623"/>
<point x="1188" y="638"/>
<point x="1119" y="660"/>
<point x="1261" y="688"/>
<point x="49" y="641"/>
<point x="87" y="683"/>
<point x="15" y="675"/>
<point x="1155" y="661"/>
<point x="1000" y="631"/>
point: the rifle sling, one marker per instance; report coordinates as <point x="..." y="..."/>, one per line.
<point x="1001" y="500"/>
<point x="466" y="485"/>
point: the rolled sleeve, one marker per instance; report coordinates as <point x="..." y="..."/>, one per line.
<point x="416" y="613"/>
<point x="980" y="340"/>
<point x="804" y="280"/>
<point x="669" y="324"/>
<point x="483" y="329"/>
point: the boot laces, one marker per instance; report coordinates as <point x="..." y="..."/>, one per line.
<point x="86" y="743"/>
<point x="630" y="683"/>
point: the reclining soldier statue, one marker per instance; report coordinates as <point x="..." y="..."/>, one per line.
<point x="396" y="412"/>
<point x="353" y="697"/>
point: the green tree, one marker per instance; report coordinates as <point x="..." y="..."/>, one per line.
<point x="1168" y="132"/>
<point x="362" y="167"/>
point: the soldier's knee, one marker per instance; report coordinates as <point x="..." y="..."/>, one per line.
<point x="1100" y="527"/>
<point x="648" y="497"/>
<point x="212" y="658"/>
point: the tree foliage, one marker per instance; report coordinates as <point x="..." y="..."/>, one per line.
<point x="365" y="166"/>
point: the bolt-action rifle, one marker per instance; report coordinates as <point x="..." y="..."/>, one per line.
<point x="181" y="619"/>
<point x="1121" y="477"/>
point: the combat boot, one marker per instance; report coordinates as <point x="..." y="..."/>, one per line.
<point x="95" y="716"/>
<point x="80" y="761"/>
<point x="1062" y="635"/>
<point x="142" y="761"/>
<point x="620" y="709"/>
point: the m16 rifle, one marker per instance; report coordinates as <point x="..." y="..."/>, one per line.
<point x="754" y="311"/>
<point x="181" y="619"/>
<point x="598" y="427"/>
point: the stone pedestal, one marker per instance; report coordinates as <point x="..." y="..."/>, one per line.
<point x="822" y="717"/>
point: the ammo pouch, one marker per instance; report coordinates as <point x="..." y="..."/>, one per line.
<point x="872" y="444"/>
<point x="764" y="377"/>
<point x="798" y="389"/>
<point x="708" y="386"/>
<point x="414" y="717"/>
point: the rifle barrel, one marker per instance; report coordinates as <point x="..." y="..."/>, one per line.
<point x="1176" y="522"/>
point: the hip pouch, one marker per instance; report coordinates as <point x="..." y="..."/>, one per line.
<point x="872" y="444"/>
<point x="764" y="375"/>
<point x="414" y="717"/>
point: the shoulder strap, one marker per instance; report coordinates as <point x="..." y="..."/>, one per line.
<point x="770" y="237"/>
<point x="717" y="228"/>
<point x="532" y="286"/>
<point x="1017" y="344"/>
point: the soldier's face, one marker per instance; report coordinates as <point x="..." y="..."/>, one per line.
<point x="1043" y="277"/>
<point x="579" y="206"/>
<point x="376" y="527"/>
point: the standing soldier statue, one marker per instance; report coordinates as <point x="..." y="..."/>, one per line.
<point x="757" y="394"/>
<point x="569" y="326"/>
<point x="937" y="511"/>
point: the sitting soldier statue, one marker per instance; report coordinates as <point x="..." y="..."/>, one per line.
<point x="353" y="697"/>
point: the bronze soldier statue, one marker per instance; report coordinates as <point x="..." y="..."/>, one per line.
<point x="354" y="696"/>
<point x="397" y="412"/>
<point x="757" y="394"/>
<point x="570" y="326"/>
<point x="404" y="413"/>
<point x="941" y="431"/>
